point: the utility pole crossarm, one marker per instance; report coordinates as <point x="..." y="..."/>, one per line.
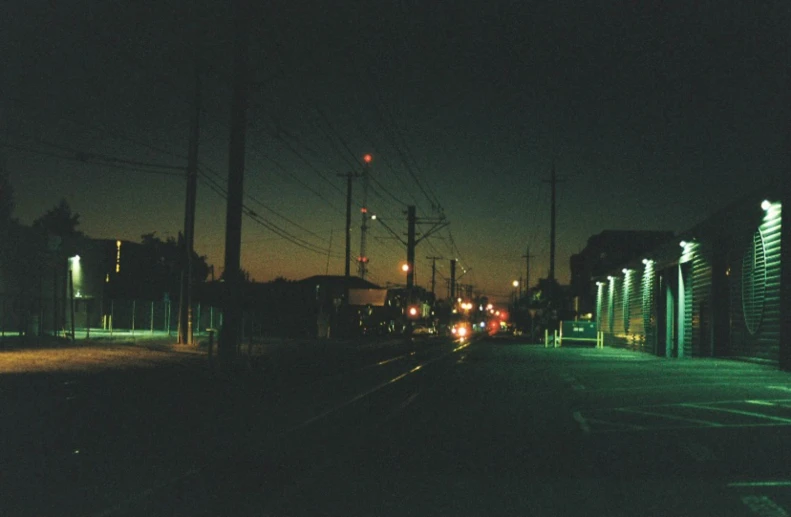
<point x="438" y="225"/>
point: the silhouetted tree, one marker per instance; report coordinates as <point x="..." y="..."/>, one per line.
<point x="59" y="221"/>
<point x="162" y="262"/>
<point x="7" y="201"/>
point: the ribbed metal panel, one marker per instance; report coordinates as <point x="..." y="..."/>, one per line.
<point x="701" y="320"/>
<point x="600" y="306"/>
<point x="610" y="306"/>
<point x="648" y="305"/>
<point x="755" y="291"/>
<point x="618" y="314"/>
<point x="689" y="300"/>
<point x="635" y="312"/>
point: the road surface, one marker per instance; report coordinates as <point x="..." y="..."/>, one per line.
<point x="493" y="427"/>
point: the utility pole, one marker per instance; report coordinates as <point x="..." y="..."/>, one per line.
<point x="347" y="267"/>
<point x="434" y="273"/>
<point x="362" y="261"/>
<point x="185" y="331"/>
<point x="453" y="280"/>
<point x="553" y="181"/>
<point x="232" y="314"/>
<point x="527" y="256"/>
<point x="410" y="247"/>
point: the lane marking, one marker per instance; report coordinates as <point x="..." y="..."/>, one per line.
<point x="582" y="422"/>
<point x="680" y="427"/>
<point x="751" y="484"/>
<point x="761" y="402"/>
<point x="670" y="417"/>
<point x="739" y="412"/>
<point x="763" y="506"/>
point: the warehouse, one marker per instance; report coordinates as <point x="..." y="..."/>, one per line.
<point x="717" y="290"/>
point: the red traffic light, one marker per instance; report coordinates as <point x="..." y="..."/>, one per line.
<point x="368" y="158"/>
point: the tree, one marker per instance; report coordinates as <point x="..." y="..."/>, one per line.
<point x="59" y="221"/>
<point x="164" y="261"/>
<point x="7" y="202"/>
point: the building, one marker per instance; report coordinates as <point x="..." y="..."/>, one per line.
<point x="720" y="289"/>
<point x="604" y="252"/>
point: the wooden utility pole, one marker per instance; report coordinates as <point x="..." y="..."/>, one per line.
<point x="527" y="256"/>
<point x="553" y="181"/>
<point x="434" y="273"/>
<point x="347" y="267"/>
<point x="232" y="314"/>
<point x="410" y="247"/>
<point x="362" y="261"/>
<point x="453" y="281"/>
<point x="185" y="330"/>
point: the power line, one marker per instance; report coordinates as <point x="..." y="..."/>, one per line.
<point x="220" y="191"/>
<point x="83" y="158"/>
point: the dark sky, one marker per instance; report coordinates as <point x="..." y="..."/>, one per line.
<point x="655" y="114"/>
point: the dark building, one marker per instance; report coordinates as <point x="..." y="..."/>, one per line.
<point x="604" y="252"/>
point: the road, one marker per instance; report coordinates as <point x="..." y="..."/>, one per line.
<point x="493" y="427"/>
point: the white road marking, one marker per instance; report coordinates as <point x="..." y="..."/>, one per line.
<point x="739" y="412"/>
<point x="760" y="484"/>
<point x="763" y="506"/>
<point x="582" y="422"/>
<point x="670" y="417"/>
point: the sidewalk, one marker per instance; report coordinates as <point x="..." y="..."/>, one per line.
<point x="127" y="349"/>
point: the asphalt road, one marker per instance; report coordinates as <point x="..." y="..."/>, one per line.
<point x="431" y="428"/>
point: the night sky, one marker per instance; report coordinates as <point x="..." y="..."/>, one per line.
<point x="654" y="113"/>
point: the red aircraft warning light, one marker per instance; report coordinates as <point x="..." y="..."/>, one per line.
<point x="368" y="158"/>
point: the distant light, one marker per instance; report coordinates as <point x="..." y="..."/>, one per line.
<point x="516" y="283"/>
<point x="483" y="325"/>
<point x="624" y="271"/>
<point x="75" y="258"/>
<point x="413" y="311"/>
<point x="373" y="217"/>
<point x="364" y="210"/>
<point x="610" y="278"/>
<point x="490" y="306"/>
<point x="646" y="261"/>
<point x="600" y="284"/>
<point x="766" y="204"/>
<point x="683" y="244"/>
<point x="458" y="300"/>
<point x="368" y="158"/>
<point x="405" y="268"/>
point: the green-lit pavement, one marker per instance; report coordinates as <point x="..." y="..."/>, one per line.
<point x="489" y="428"/>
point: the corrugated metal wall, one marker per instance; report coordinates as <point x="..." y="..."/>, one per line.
<point x="700" y="317"/>
<point x="755" y="290"/>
